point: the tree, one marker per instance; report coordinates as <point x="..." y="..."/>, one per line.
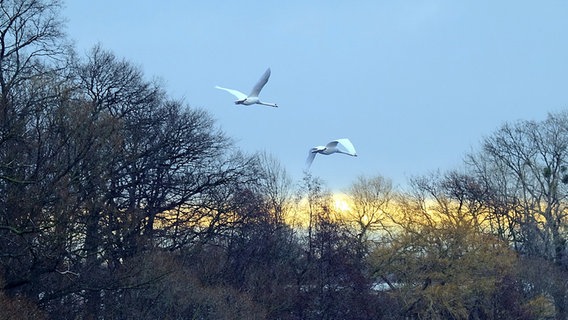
<point x="263" y="256"/>
<point x="30" y="33"/>
<point x="32" y="49"/>
<point x="433" y="277"/>
<point x="162" y="284"/>
<point x="153" y="173"/>
<point x="439" y="264"/>
<point x="524" y="165"/>
<point x="104" y="168"/>
<point x="19" y="308"/>
<point x="370" y="200"/>
<point x="275" y="185"/>
<point x="334" y="282"/>
<point x="337" y="279"/>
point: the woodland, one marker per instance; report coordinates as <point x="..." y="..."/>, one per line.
<point x="118" y="201"/>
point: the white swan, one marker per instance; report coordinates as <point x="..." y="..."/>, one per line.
<point x="336" y="146"/>
<point x="252" y="98"/>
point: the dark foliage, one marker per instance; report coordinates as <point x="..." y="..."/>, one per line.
<point x="119" y="202"/>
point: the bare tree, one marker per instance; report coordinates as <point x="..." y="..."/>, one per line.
<point x="30" y="34"/>
<point x="276" y="185"/>
<point x="525" y="168"/>
<point x="371" y="199"/>
<point x="103" y="168"/>
<point x="318" y="200"/>
<point x="525" y="165"/>
<point x="31" y="46"/>
<point x="153" y="171"/>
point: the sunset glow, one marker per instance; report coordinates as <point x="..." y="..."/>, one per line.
<point x="341" y="202"/>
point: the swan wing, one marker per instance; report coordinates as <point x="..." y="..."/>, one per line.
<point x="236" y="93"/>
<point x="310" y="159"/>
<point x="332" y="144"/>
<point x="347" y="145"/>
<point x="260" y="84"/>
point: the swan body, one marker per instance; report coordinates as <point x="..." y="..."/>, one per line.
<point x="252" y="98"/>
<point x="336" y="146"/>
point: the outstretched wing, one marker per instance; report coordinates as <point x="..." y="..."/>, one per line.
<point x="347" y="145"/>
<point x="236" y="93"/>
<point x="260" y="84"/>
<point x="310" y="159"/>
<point x="332" y="144"/>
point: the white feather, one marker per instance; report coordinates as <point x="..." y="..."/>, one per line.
<point x="252" y="98"/>
<point x="236" y="93"/>
<point x="343" y="145"/>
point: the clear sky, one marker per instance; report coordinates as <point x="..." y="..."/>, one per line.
<point x="415" y="85"/>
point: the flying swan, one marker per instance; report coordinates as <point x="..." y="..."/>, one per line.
<point x="336" y="146"/>
<point x="252" y="98"/>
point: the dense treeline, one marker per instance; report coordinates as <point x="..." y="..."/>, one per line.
<point x="119" y="202"/>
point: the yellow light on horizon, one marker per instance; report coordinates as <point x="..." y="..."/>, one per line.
<point x="341" y="202"/>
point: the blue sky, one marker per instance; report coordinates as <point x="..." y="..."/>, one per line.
<point x="414" y="84"/>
